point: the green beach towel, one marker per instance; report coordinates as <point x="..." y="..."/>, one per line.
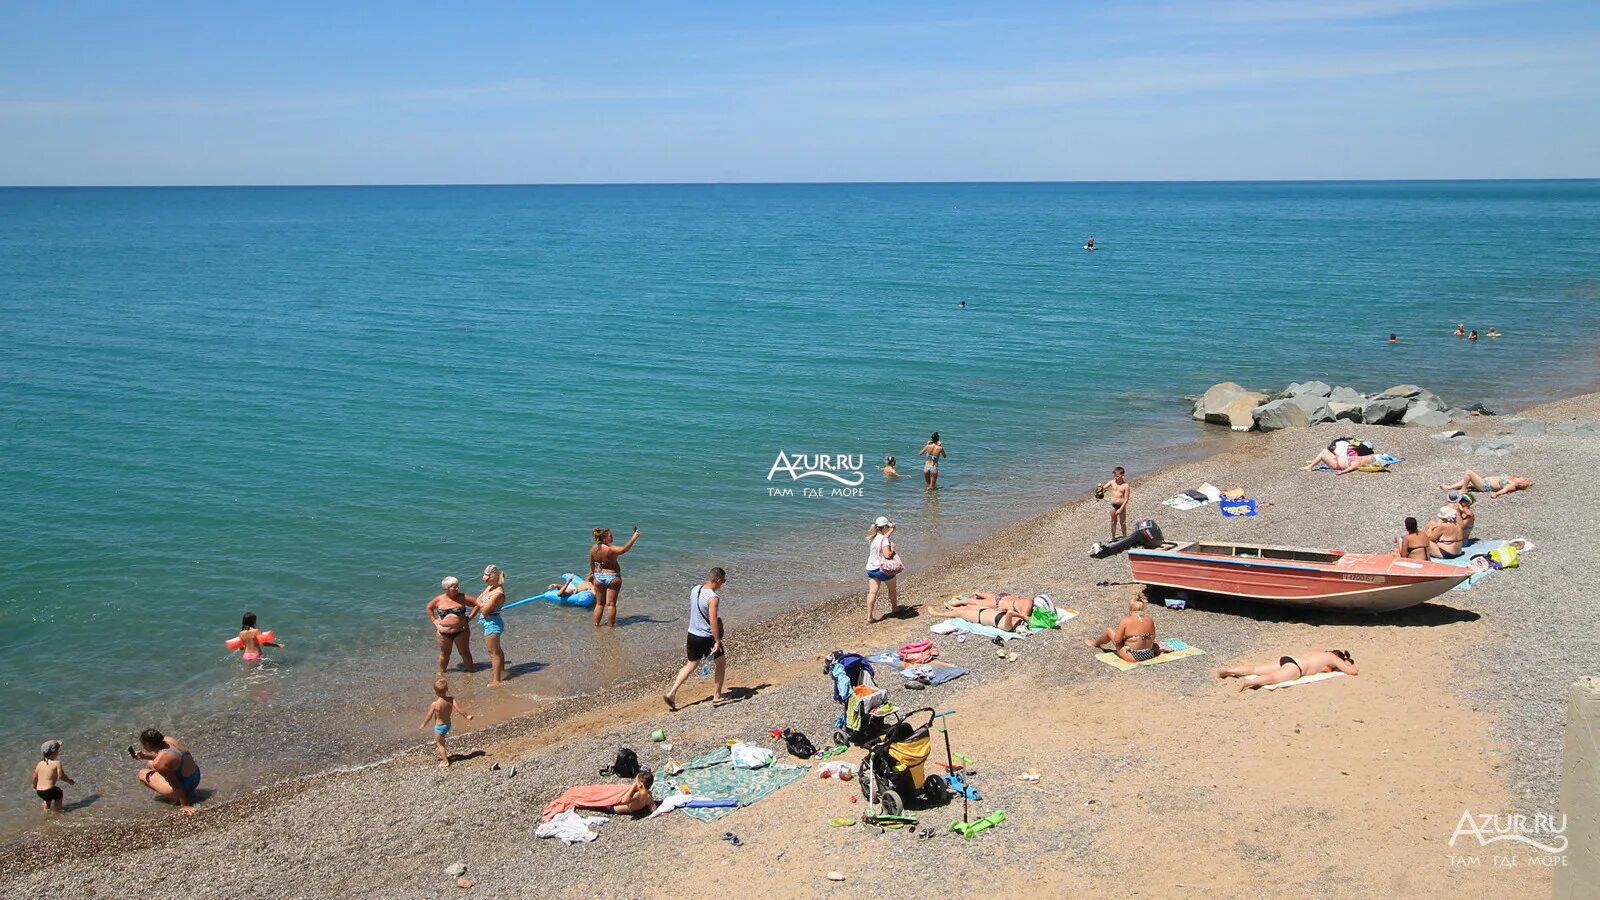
<point x="712" y="775"/>
<point x="1179" y="650"/>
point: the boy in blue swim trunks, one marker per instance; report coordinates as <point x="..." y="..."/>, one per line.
<point x="439" y="712"/>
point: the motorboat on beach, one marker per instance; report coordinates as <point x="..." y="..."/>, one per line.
<point x="1287" y="576"/>
<point x="1291" y="576"/>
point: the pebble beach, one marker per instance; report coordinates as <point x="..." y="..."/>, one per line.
<point x="1346" y="788"/>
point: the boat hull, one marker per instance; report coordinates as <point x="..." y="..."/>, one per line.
<point x="1352" y="582"/>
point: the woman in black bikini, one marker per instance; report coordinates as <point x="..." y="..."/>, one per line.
<point x="1007" y="612"/>
<point x="1133" y="639"/>
<point x="1290" y="668"/>
<point x="450" y="613"/>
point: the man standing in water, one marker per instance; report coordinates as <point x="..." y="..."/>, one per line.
<point x="705" y="637"/>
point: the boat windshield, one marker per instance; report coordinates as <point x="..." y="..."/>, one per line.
<point x="1247" y="551"/>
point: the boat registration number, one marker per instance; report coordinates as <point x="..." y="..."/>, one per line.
<point x="1369" y="579"/>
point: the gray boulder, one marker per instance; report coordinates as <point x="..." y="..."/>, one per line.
<point x="1315" y="407"/>
<point x="1408" y="391"/>
<point x="1527" y="427"/>
<point x="1427" y="418"/>
<point x="1346" y="395"/>
<point x="1346" y="412"/>
<point x="1281" y="414"/>
<point x="1382" y="410"/>
<point x="1213" y="404"/>
<point x="1309" y="388"/>
<point x="1238" y="413"/>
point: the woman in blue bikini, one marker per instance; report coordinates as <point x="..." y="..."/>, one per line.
<point x="931" y="452"/>
<point x="489" y="603"/>
<point x="606" y="573"/>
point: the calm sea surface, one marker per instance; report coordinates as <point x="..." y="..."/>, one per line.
<point x="316" y="402"/>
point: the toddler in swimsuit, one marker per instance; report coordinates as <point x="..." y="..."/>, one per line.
<point x="439" y="712"/>
<point x="47" y="772"/>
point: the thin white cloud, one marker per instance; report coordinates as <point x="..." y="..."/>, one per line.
<point x="1266" y="12"/>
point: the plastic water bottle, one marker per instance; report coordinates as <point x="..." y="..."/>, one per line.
<point x="705" y="669"/>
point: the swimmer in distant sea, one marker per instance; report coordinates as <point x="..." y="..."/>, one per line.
<point x="1461" y="329"/>
<point x="1394" y="338"/>
<point x="889" y="470"/>
<point x="1493" y="331"/>
<point x="1089" y="244"/>
<point x="961" y="305"/>
<point x="1473" y="335"/>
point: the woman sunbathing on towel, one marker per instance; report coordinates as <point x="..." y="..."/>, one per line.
<point x="1499" y="485"/>
<point x="1342" y="458"/>
<point x="1290" y="668"/>
<point x="1133" y="638"/>
<point x="1007" y="612"/>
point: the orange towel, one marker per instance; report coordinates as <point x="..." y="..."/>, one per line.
<point x="588" y="796"/>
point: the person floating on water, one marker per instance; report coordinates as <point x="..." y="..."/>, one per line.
<point x="1494" y="332"/>
<point x="961" y="305"/>
<point x="1089" y="244"/>
<point x="1461" y="329"/>
<point x="1473" y="335"/>
<point x="931" y="453"/>
<point x="1394" y="338"/>
<point x="1119" y="491"/>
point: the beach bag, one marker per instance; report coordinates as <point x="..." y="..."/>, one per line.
<point x="1043" y="617"/>
<point x="745" y="756"/>
<point x="917" y="652"/>
<point x="892" y="564"/>
<point x="626" y="764"/>
<point x="1505" y="557"/>
<point x="799" y="745"/>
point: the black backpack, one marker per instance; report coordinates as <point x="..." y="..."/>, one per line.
<point x="799" y="745"/>
<point x="626" y="764"/>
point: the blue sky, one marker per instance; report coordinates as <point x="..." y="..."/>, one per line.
<point x="357" y="93"/>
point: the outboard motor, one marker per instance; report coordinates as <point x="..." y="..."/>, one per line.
<point x="1146" y="535"/>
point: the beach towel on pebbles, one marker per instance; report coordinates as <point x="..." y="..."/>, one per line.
<point x="710" y="775"/>
<point x="933" y="674"/>
<point x="951" y="626"/>
<point x="1303" y="679"/>
<point x="1178" y="650"/>
<point x="570" y="828"/>
<point x="589" y="796"/>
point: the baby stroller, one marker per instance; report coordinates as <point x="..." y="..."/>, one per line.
<point x="894" y="769"/>
<point x="853" y="686"/>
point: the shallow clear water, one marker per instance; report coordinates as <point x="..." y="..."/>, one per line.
<point x="315" y="402"/>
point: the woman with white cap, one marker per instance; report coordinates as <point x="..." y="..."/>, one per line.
<point x="883" y="564"/>
<point x="1444" y="534"/>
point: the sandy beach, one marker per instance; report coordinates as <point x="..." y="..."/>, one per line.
<point x="1157" y="781"/>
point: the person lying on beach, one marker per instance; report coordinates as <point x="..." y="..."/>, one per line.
<point x="439" y="712"/>
<point x="1007" y="612"/>
<point x="1290" y="668"/>
<point x="1500" y="485"/>
<point x="1444" y="535"/>
<point x="1342" y="458"/>
<point x="1132" y="639"/>
<point x="47" y="773"/>
<point x="1413" y="544"/>
<point x="620" y="799"/>
<point x="250" y="638"/>
<point x="639" y="798"/>
<point x="171" y="770"/>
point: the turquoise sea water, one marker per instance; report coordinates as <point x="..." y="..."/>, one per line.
<point x="316" y="402"/>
